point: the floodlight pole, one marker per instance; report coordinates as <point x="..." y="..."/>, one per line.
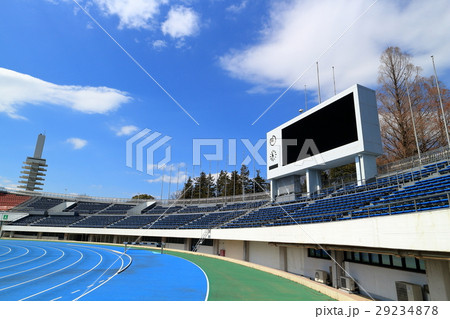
<point x="334" y="81"/>
<point x="318" y="81"/>
<point x="414" y="126"/>
<point x="306" y="100"/>
<point x="440" y="101"/>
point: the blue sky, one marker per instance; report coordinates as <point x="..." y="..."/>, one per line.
<point x="223" y="62"/>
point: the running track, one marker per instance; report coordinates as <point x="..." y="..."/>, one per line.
<point x="34" y="270"/>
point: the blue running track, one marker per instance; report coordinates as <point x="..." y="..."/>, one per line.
<point x="35" y="270"/>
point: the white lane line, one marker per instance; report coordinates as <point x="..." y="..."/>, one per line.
<point x="67" y="281"/>
<point x="101" y="284"/>
<point x="43" y="276"/>
<point x="7" y="251"/>
<point x="26" y="252"/>
<point x="25" y="262"/>
<point x="74" y="292"/>
<point x="204" y="273"/>
<point x="56" y="298"/>
<point x="51" y="262"/>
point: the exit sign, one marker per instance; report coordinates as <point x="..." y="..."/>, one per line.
<point x="5" y="217"/>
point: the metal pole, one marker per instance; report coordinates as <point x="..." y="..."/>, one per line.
<point x="306" y="100"/>
<point x="318" y="81"/>
<point x="334" y="81"/>
<point x="414" y="127"/>
<point x="162" y="183"/>
<point x="170" y="181"/>
<point x="440" y="101"/>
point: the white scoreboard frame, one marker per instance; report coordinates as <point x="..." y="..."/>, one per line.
<point x="368" y="142"/>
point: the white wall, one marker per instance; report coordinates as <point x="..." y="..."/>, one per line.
<point x="264" y="254"/>
<point x="206" y="249"/>
<point x="175" y="246"/>
<point x="380" y="281"/>
<point x="299" y="263"/>
<point x="233" y="248"/>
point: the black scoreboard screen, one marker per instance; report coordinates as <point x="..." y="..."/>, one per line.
<point x="331" y="127"/>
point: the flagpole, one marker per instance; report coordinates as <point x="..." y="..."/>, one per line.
<point x="318" y="81"/>
<point x="334" y="81"/>
<point x="440" y="101"/>
<point x="306" y="100"/>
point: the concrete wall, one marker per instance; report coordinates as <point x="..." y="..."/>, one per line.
<point x="264" y="254"/>
<point x="233" y="248"/>
<point x="299" y="263"/>
<point x="379" y="281"/>
<point x="175" y="246"/>
<point x="438" y="274"/>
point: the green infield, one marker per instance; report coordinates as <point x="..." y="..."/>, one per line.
<point x="229" y="281"/>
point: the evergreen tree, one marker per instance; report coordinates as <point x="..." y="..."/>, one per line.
<point x="211" y="186"/>
<point x="259" y="182"/>
<point x="236" y="186"/>
<point x="222" y="183"/>
<point x="186" y="192"/>
<point x="143" y="196"/>
<point x="244" y="179"/>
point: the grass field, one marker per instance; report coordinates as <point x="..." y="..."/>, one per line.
<point x="234" y="282"/>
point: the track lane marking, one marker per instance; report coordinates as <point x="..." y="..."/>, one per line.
<point x="27" y="251"/>
<point x="20" y="272"/>
<point x="7" y="251"/>
<point x="109" y="278"/>
<point x="61" y="269"/>
<point x="65" y="282"/>
<point x="45" y="253"/>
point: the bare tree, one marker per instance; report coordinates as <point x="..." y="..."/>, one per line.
<point x="431" y="99"/>
<point x="398" y="76"/>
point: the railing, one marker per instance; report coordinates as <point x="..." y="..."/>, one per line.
<point x="437" y="155"/>
<point x="75" y="197"/>
<point x="217" y="200"/>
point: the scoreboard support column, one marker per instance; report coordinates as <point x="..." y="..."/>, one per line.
<point x="366" y="168"/>
<point x="313" y="181"/>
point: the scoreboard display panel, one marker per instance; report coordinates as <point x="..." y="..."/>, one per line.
<point x="337" y="128"/>
<point x="331" y="134"/>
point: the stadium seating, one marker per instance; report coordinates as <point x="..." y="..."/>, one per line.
<point x="44" y="203"/>
<point x="174" y="220"/>
<point x="57" y="221"/>
<point x="403" y="192"/>
<point x="83" y="207"/>
<point x="117" y="209"/>
<point x="97" y="221"/>
<point x="137" y="221"/>
<point x="213" y="220"/>
<point x="9" y="201"/>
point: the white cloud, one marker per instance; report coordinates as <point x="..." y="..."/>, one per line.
<point x="299" y="32"/>
<point x="159" y="44"/>
<point x="126" y="130"/>
<point x="7" y="182"/>
<point x="237" y="8"/>
<point x="17" y="89"/>
<point x="132" y="14"/>
<point x="172" y="173"/>
<point x="77" y="143"/>
<point x="181" y="22"/>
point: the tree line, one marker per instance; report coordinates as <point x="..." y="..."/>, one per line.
<point x="224" y="184"/>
